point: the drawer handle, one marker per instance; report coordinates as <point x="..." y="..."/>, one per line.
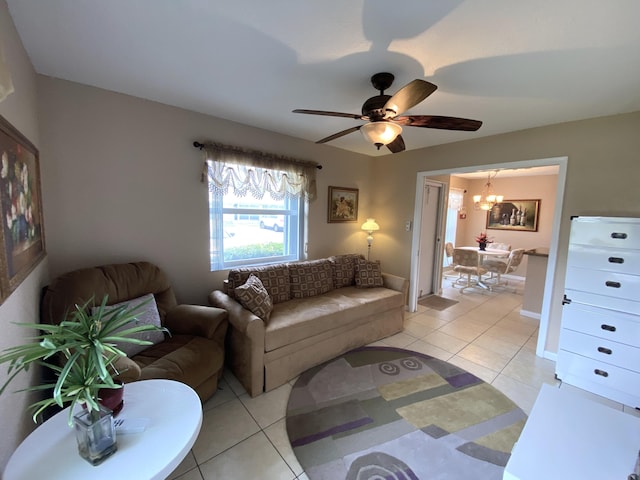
<point x="616" y="260"/>
<point x="608" y="328"/>
<point x="618" y="235"/>
<point x="611" y="284"/>
<point x="608" y="351"/>
<point x="602" y="373"/>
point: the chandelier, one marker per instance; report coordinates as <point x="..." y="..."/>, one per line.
<point x="487" y="199"/>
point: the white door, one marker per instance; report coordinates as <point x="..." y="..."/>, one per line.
<point x="429" y="238"/>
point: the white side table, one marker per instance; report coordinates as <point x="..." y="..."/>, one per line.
<point x="569" y="436"/>
<point x="175" y="415"/>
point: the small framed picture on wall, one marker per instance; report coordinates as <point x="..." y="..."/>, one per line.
<point x="343" y="205"/>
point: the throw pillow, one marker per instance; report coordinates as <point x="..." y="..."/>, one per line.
<point x="344" y="269"/>
<point x="149" y="315"/>
<point x="254" y="297"/>
<point x="368" y="274"/>
<point x="310" y="278"/>
<point x="275" y="279"/>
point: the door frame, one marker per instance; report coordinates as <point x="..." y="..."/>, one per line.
<point x="443" y="192"/>
<point x="550" y="278"/>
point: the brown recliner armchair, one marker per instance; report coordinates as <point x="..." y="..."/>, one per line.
<point x="193" y="353"/>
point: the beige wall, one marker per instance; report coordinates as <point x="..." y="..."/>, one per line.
<point x="602" y="177"/>
<point x="19" y="108"/>
<point x="122" y="183"/>
<point x="542" y="187"/>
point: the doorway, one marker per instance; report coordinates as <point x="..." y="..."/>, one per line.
<point x="430" y="237"/>
<point x="561" y="162"/>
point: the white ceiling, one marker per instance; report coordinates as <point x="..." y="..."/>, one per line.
<point x="511" y="64"/>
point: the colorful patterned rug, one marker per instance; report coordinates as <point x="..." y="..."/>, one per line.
<point x="387" y="413"/>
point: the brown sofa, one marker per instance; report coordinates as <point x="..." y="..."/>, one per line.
<point x="318" y="313"/>
<point x="192" y="354"/>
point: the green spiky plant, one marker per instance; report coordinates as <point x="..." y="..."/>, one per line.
<point x="81" y="351"/>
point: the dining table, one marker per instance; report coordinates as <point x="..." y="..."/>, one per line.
<point x="482" y="254"/>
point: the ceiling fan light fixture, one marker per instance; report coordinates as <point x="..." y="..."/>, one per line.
<point x="381" y="133"/>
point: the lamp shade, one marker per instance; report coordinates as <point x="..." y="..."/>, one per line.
<point x="381" y="133"/>
<point x="370" y="225"/>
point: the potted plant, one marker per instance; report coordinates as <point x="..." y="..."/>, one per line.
<point x="82" y="351"/>
<point x="483" y="240"/>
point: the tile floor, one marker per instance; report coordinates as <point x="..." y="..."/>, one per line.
<point x="245" y="438"/>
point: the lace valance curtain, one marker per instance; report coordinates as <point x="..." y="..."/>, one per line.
<point x="239" y="171"/>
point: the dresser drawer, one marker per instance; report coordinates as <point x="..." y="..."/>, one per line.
<point x="607" y="380"/>
<point x="611" y="284"/>
<point x="606" y="232"/>
<point x="616" y="260"/>
<point x="598" y="322"/>
<point x="612" y="353"/>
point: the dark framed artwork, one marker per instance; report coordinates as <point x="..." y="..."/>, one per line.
<point x="22" y="232"/>
<point x="343" y="205"/>
<point x="518" y="215"/>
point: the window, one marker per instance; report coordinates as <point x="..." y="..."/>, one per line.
<point x="255" y="231"/>
<point x="257" y="206"/>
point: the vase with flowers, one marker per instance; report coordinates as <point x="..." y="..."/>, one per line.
<point x="483" y="240"/>
<point x="82" y="351"/>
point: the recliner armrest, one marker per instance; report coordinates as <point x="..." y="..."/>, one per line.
<point x="128" y="370"/>
<point x="208" y="322"/>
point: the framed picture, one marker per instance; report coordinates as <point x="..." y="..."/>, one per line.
<point x="343" y="205"/>
<point x="519" y="215"/>
<point x="22" y="233"/>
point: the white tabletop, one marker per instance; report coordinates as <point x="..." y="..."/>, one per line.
<point x="569" y="436"/>
<point x="175" y="416"/>
<point x="489" y="252"/>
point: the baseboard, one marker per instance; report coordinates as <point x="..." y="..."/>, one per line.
<point x="527" y="313"/>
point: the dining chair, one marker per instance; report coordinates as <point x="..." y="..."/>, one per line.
<point x="499" y="246"/>
<point x="466" y="262"/>
<point x="448" y="251"/>
<point x="499" y="267"/>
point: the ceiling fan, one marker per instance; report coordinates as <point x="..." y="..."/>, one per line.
<point x="383" y="114"/>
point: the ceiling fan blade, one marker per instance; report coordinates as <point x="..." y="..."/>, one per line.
<point x="409" y="96"/>
<point x="339" y="134"/>
<point x="435" y="121"/>
<point x="329" y="114"/>
<point x="397" y="145"/>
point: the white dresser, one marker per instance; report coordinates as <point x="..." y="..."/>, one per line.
<point x="599" y="348"/>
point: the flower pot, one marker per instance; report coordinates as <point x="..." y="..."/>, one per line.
<point x="112" y="398"/>
<point x="483" y="245"/>
<point x="95" y="434"/>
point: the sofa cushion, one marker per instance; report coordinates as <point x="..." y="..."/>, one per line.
<point x="275" y="279"/>
<point x="148" y="315"/>
<point x="344" y="269"/>
<point x="368" y="274"/>
<point x="298" y="319"/>
<point x="254" y="297"/>
<point x="311" y="278"/>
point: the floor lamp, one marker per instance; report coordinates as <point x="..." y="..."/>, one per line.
<point x="370" y="226"/>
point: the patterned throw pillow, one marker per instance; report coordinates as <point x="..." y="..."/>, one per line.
<point x="311" y="278"/>
<point x="274" y="278"/>
<point x="254" y="297"/>
<point x="368" y="274"/>
<point x="344" y="269"/>
<point x="149" y="315"/>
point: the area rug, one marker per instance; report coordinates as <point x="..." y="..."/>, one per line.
<point x="436" y="302"/>
<point x="387" y="413"/>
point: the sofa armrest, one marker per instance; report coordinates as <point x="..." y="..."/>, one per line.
<point x="127" y="370"/>
<point x="394" y="282"/>
<point x="245" y="343"/>
<point x="208" y="322"/>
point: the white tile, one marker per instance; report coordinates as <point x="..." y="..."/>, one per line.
<point x="255" y="457"/>
<point x="277" y="434"/>
<point x="445" y="342"/>
<point x="483" y="373"/>
<point x="233" y="382"/>
<point x="493" y="360"/>
<point x="399" y="340"/>
<point x="269" y="407"/>
<point x="522" y="395"/>
<point x="421" y="346"/>
<point x="224" y="394"/>
<point x="193" y="474"/>
<point x="187" y="465"/>
<point x="223" y="427"/>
